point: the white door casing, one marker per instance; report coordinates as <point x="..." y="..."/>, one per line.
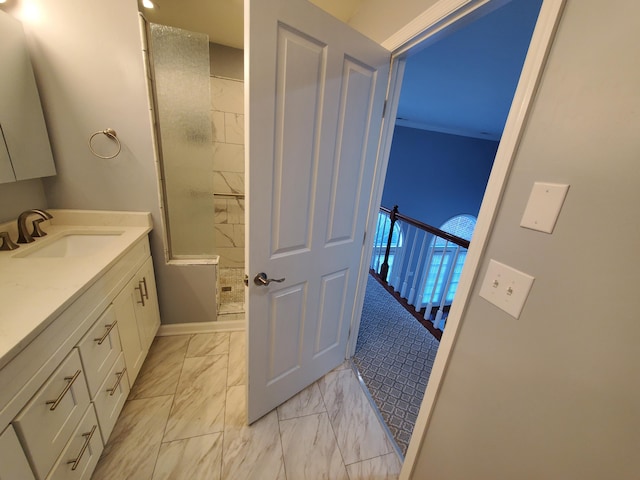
<point x="314" y="97"/>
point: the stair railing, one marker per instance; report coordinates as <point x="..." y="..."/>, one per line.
<point x="418" y="261"/>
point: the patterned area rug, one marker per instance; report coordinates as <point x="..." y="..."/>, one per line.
<point x="394" y="355"/>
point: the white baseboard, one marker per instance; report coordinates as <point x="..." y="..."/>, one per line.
<point x="201" y="327"/>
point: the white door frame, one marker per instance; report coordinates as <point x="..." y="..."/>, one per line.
<point x="424" y="30"/>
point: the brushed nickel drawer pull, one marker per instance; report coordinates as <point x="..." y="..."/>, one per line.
<point x="54" y="403"/>
<point x="139" y="287"/>
<point x="146" y="290"/>
<point x="113" y="389"/>
<point x="109" y="327"/>
<point x="76" y="461"/>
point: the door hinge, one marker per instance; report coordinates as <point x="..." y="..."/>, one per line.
<point x="364" y="237"/>
<point x="384" y="109"/>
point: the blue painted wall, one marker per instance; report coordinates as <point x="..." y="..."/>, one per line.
<point x="435" y="176"/>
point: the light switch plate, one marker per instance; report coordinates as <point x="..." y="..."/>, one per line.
<point x="506" y="287"/>
<point x="543" y="207"/>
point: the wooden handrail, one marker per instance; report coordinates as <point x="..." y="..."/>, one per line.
<point x="429" y="228"/>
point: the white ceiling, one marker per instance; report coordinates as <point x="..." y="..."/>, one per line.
<point x="222" y="20"/>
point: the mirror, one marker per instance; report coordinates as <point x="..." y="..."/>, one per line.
<point x="25" y="151"/>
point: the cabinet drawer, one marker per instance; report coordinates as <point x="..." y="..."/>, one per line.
<point x="13" y="463"/>
<point x="81" y="454"/>
<point x="111" y="397"/>
<point x="46" y="423"/>
<point x="99" y="349"/>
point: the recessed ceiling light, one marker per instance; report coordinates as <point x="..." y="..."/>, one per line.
<point x="145" y="4"/>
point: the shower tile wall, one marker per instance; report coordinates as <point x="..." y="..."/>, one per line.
<point x="227" y="98"/>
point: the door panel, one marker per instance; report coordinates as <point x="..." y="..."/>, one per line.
<point x="331" y="316"/>
<point x="355" y="117"/>
<point x="300" y="73"/>
<point x="286" y="331"/>
<point x="315" y="92"/>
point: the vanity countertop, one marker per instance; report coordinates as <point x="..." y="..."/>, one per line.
<point x="35" y="290"/>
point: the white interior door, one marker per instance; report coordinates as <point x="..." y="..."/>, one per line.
<point x="315" y="94"/>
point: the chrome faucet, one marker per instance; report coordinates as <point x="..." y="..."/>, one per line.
<point x="23" y="235"/>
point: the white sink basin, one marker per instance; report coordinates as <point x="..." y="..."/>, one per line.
<point x="72" y="244"/>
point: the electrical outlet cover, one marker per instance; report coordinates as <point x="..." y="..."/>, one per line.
<point x="506" y="287"/>
<point x="543" y="207"/>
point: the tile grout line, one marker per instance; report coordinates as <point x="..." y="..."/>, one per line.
<point x="333" y="430"/>
<point x="284" y="464"/>
<point x="173" y="399"/>
<point x="224" y="418"/>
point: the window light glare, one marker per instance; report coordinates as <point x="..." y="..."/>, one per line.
<point x="145" y="4"/>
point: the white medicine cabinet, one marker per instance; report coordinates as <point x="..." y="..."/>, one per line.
<point x="25" y="151"/>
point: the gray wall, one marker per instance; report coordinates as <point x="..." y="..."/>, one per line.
<point x="86" y="87"/>
<point x="555" y="394"/>
<point x="20" y="196"/>
<point x="226" y="61"/>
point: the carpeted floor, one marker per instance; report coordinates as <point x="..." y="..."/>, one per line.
<point x="394" y="355"/>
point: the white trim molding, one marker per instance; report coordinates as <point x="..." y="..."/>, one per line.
<point x="201" y="327"/>
<point x="436" y="18"/>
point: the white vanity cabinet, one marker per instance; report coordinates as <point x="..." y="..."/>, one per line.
<point x="137" y="312"/>
<point x="63" y="392"/>
<point x="13" y="463"/>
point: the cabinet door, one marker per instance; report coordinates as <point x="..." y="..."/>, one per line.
<point x="126" y="306"/>
<point x="147" y="313"/>
<point x="13" y="463"/>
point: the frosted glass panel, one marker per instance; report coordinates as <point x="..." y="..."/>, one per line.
<point x="180" y="63"/>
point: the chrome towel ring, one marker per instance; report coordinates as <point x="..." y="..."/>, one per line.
<point x="110" y="133"/>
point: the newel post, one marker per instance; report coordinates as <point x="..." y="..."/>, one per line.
<point x="384" y="269"/>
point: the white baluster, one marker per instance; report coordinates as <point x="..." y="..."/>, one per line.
<point x="372" y="265"/>
<point x="425" y="275"/>
<point x="452" y="267"/>
<point x="407" y="273"/>
<point x="398" y="259"/>
<point x="412" y="294"/>
<point x="427" y="312"/>
<point x="379" y="241"/>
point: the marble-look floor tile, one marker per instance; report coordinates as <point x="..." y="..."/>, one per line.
<point x="307" y="402"/>
<point x="133" y="447"/>
<point x="235" y="415"/>
<point x="386" y="467"/>
<point x="198" y="406"/>
<point x="250" y="452"/>
<point x="237" y="359"/>
<point x="161" y="369"/>
<point x="204" y="344"/>
<point x="190" y="459"/>
<point x="310" y="449"/>
<point x="346" y="365"/>
<point x="358" y="430"/>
